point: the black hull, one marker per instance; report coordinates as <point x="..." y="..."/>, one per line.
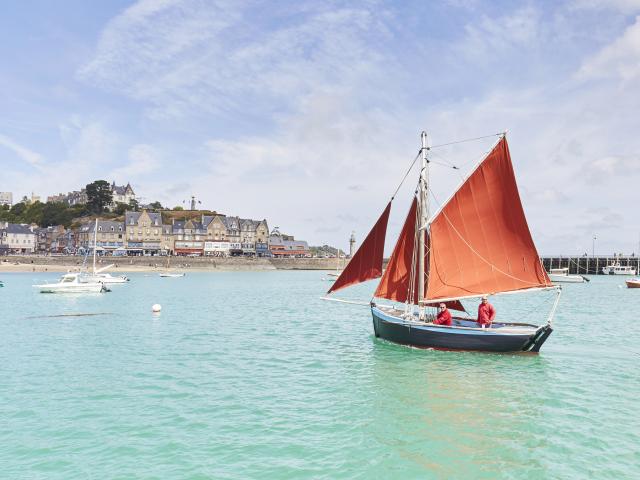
<point x="446" y="338"/>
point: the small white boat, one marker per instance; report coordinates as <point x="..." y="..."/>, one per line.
<point x="72" y="283"/>
<point x="171" y="275"/>
<point x="561" y="275"/>
<point x="633" y="283"/>
<point x="617" y="269"/>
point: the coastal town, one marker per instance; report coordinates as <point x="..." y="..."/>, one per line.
<point x="127" y="228"/>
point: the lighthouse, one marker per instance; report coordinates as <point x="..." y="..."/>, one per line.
<point x="352" y="244"/>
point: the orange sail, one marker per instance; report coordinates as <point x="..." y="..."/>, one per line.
<point x="480" y="240"/>
<point x="399" y="281"/>
<point x="400" y="272"/>
<point x="367" y="261"/>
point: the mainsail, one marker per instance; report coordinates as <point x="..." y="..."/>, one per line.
<point x="399" y="281"/>
<point x="367" y="261"/>
<point x="480" y="240"/>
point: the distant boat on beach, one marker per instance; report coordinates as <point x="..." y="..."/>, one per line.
<point x="168" y="273"/>
<point x="450" y="257"/>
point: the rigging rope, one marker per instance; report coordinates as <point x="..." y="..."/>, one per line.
<point x="436" y="146"/>
<point x="468" y="140"/>
<point x="406" y="174"/>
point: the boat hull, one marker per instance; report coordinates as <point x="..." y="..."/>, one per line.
<point x="415" y="334"/>
<point x="86" y="288"/>
<point x="633" y="283"/>
<point x="566" y="278"/>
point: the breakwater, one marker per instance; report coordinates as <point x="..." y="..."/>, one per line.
<point x="202" y="263"/>
<point x="588" y="265"/>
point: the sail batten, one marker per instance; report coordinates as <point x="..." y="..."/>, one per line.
<point x="480" y="240"/>
<point x="366" y="264"/>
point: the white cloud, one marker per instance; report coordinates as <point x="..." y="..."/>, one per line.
<point x="215" y="60"/>
<point x="143" y="160"/>
<point x="32" y="158"/>
<point x="620" y="59"/>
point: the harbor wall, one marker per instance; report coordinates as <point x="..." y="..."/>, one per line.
<point x="203" y="263"/>
<point x="588" y="265"/>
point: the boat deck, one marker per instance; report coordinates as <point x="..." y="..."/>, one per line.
<point x="464" y="323"/>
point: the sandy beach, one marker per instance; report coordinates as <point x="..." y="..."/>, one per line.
<point x="150" y="264"/>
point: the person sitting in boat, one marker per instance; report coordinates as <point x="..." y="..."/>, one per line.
<point x="444" y="316"/>
<point x="486" y="313"/>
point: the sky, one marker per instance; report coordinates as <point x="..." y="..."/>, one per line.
<point x="308" y="114"/>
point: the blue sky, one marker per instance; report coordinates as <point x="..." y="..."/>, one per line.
<point x="308" y="113"/>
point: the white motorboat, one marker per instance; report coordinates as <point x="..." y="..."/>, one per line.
<point x="561" y="275"/>
<point x="171" y="275"/>
<point x="72" y="283"/>
<point x="617" y="269"/>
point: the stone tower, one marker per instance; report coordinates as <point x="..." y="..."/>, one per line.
<point x="352" y="244"/>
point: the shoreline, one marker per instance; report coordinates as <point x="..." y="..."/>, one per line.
<point x="159" y="264"/>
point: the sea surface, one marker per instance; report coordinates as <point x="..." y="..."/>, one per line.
<point x="250" y="375"/>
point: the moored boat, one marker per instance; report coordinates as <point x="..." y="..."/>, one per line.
<point x="616" y="269"/>
<point x="633" y="283"/>
<point x="72" y="283"/>
<point x="561" y="275"/>
<point x="171" y="275"/>
<point x="450" y="258"/>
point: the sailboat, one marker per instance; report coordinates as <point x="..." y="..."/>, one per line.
<point x="168" y="273"/>
<point x="97" y="275"/>
<point x="476" y="244"/>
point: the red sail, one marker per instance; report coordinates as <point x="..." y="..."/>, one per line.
<point x="401" y="273"/>
<point x="394" y="284"/>
<point x="480" y="240"/>
<point x="367" y="261"/>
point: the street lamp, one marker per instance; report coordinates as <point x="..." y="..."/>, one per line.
<point x="593" y="246"/>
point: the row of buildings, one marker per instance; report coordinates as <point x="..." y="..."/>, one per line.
<point x="145" y="233"/>
<point x="120" y="194"/>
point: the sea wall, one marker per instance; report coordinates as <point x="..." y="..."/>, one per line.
<point x="204" y="263"/>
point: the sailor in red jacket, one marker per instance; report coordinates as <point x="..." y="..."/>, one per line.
<point x="486" y="313"/>
<point x="444" y="316"/>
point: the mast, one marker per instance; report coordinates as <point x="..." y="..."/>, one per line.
<point x="95" y="241"/>
<point x="424" y="216"/>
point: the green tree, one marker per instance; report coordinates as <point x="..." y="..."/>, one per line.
<point x="121" y="208"/>
<point x="156" y="205"/>
<point x="57" y="213"/>
<point x="134" y="205"/>
<point x="178" y="209"/>
<point x="16" y="211"/>
<point x="99" y="195"/>
<point x="33" y="213"/>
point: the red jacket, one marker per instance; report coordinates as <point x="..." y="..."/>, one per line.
<point x="486" y="313"/>
<point x="444" y="318"/>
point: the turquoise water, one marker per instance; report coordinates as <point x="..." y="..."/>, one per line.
<point x="250" y="375"/>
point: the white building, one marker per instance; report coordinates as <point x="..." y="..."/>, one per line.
<point x="6" y="198"/>
<point x="121" y="194"/>
<point x="17" y="238"/>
